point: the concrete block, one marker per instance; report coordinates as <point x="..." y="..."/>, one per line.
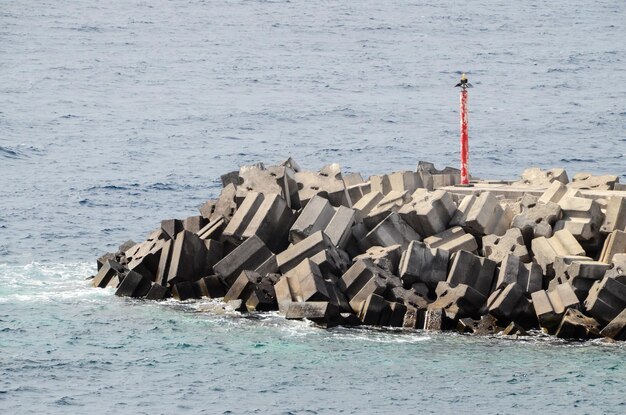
<point x="256" y="178"/>
<point x="134" y="285"/>
<point x="472" y="270"/>
<point x="582" y="275"/>
<point x="615" y="217"/>
<point x="211" y="286"/>
<point x="184" y="290"/>
<point x="311" y="184"/>
<point x="545" y="250"/>
<point x="481" y="215"/>
<point x="513" y="271"/>
<point x="213" y="229"/>
<point x="320" y="312"/>
<point x="514" y="330"/>
<point x="365" y="205"/>
<point x="452" y="240"/>
<point x="405" y="181"/>
<point x="157" y="292"/>
<point x="458" y="301"/>
<point x="189" y="259"/>
<point x="614" y="244"/>
<point x="391" y="231"/>
<point x="553" y="193"/>
<point x="171" y="227"/>
<point x="616" y="329"/>
<point x="194" y="223"/>
<point x="308" y="247"/>
<point x="420" y="263"/>
<point x="507" y="303"/>
<point x="263" y="295"/>
<point x="589" y="181"/>
<point x="535" y="177"/>
<point x="315" y="216"/>
<point x="575" y="325"/>
<point x="537" y="220"/>
<point x="271" y="223"/>
<point x="144" y="258"/>
<point x="372" y="310"/>
<point x="339" y="229"/>
<point x="361" y="280"/>
<point x="330" y="262"/>
<point x="270" y="266"/>
<point x="392" y="202"/>
<point x="243" y="286"/>
<point x="607" y="298"/>
<point x="357" y="191"/>
<point x="380" y="184"/>
<point x="247" y="256"/>
<point x="352" y="179"/>
<point x="428" y="213"/>
<point x="207" y="209"/>
<point x="306" y="282"/>
<point x="496" y="248"/>
<point x="109" y="270"/>
<point x="231" y="177"/>
<point x="550" y="306"/>
<point x="242" y="217"/>
<point x="387" y="258"/>
<point x="285" y="177"/>
<point x="398" y="313"/>
<point x="410" y="318"/>
<point x="582" y="217"/>
<point x="408" y="297"/>
<point x="225" y="206"/>
<point x="485" y="326"/>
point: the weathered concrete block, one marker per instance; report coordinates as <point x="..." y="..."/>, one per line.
<point x="607" y="298"/>
<point x="392" y="202"/>
<point x="615" y="216"/>
<point x="271" y="223"/>
<point x="285" y="177"/>
<point x="330" y="262"/>
<point x="247" y="256"/>
<point x="171" y="227"/>
<point x="109" y="270"/>
<point x="553" y="193"/>
<point x="380" y="184"/>
<point x="589" y="181"/>
<point x="405" y="181"/>
<point x="481" y="215"/>
<point x="614" y="244"/>
<point x="551" y="305"/>
<point x="514" y="271"/>
<point x="207" y="208"/>
<point x="263" y="295"/>
<point x="320" y="312"/>
<point x="194" y="223"/>
<point x="315" y="216"/>
<point x="270" y="266"/>
<point x="307" y="282"/>
<point x="257" y="178"/>
<point x="582" y="217"/>
<point x="575" y="325"/>
<point x="357" y="191"/>
<point x="545" y="250"/>
<point x="189" y="259"/>
<point x="243" y="286"/>
<point x="133" y="285"/>
<point x="435" y="319"/>
<point x="458" y="301"/>
<point x="339" y="229"/>
<point x="537" y="220"/>
<point x="311" y="184"/>
<point x="507" y="303"/>
<point x="372" y="310"/>
<point x="496" y="248"/>
<point x="434" y="178"/>
<point x="616" y="329"/>
<point x="386" y="258"/>
<point x="485" y="326"/>
<point x="398" y="312"/>
<point x="472" y="270"/>
<point x="408" y="297"/>
<point x="211" y="286"/>
<point x="514" y="330"/>
<point x="232" y="177"/>
<point x="535" y="177"/>
<point x="225" y="205"/>
<point x="420" y="263"/>
<point x="144" y="257"/>
<point x="213" y="229"/>
<point x="360" y="281"/>
<point x="427" y="212"/>
<point x="184" y="290"/>
<point x="452" y="240"/>
<point x="365" y="205"/>
<point x="157" y="292"/>
<point x="242" y="217"/>
<point x="582" y="275"/>
<point x="308" y="247"/>
<point x="391" y="231"/>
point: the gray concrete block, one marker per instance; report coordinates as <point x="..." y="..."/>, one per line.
<point x="315" y="216"/>
<point x="225" y="206"/>
<point x="537" y="220"/>
<point x="194" y="223"/>
<point x="184" y="290"/>
<point x="109" y="270"/>
<point x="575" y="325"/>
<point x="589" y="181"/>
<point x="210" y="286"/>
<point x="133" y="285"/>
<point x="360" y="281"/>
<point x="189" y="259"/>
<point x="247" y="256"/>
<point x="607" y="298"/>
<point x="420" y="263"/>
<point x="581" y="216"/>
<point x="545" y="250"/>
<point x="514" y="271"/>
<point x="452" y="240"/>
<point x="496" y="248"/>
<point x="157" y="292"/>
<point x="392" y="202"/>
<point x="616" y="329"/>
<point x="339" y="229"/>
<point x="311" y="184"/>
<point x="472" y="270"/>
<point x="391" y="231"/>
<point x="398" y="313"/>
<point x="550" y="306"/>
<point x="307" y="282"/>
<point x="429" y="213"/>
<point x="387" y="258"/>
<point x="308" y="247"/>
<point x="535" y="177"/>
<point x="241" y="219"/>
<point x="553" y="193"/>
<point x="615" y="216"/>
<point x="171" y="227"/>
<point x="582" y="274"/>
<point x="614" y="244"/>
<point x="481" y="215"/>
<point x="213" y="229"/>
<point x="243" y="286"/>
<point x="507" y="303"/>
<point x="271" y="223"/>
<point x="372" y="310"/>
<point x="144" y="258"/>
<point x="458" y="301"/>
<point x="365" y="205"/>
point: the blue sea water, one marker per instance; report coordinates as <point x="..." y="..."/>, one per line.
<point x="118" y="114"/>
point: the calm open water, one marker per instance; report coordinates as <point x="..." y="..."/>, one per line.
<point x="118" y="114"/>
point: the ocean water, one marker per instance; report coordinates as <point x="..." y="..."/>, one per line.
<point x="119" y="114"/>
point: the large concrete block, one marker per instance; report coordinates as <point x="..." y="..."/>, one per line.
<point x="576" y="325"/>
<point x="472" y="270"/>
<point x="242" y="217"/>
<point x="511" y="243"/>
<point x="545" y="250"/>
<point x="372" y="310"/>
<point x="194" y="223"/>
<point x="582" y="217"/>
<point x="458" y="301"/>
<point x="307" y="282"/>
<point x="452" y="240"/>
<point x="405" y="181"/>
<point x="387" y="258"/>
<point x="171" y="227"/>
<point x="508" y="303"/>
<point x="553" y="193"/>
<point x="213" y="229"/>
<point x="514" y="271"/>
<point x="330" y="261"/>
<point x="392" y="202"/>
<point x="133" y="285"/>
<point x="365" y="205"/>
<point x="607" y="298"/>
<point x="581" y="274"/>
<point x="225" y="205"/>
<point x="551" y="305"/>
<point x="427" y="212"/>
<point x="320" y="312"/>
<point x="315" y="216"/>
<point x="190" y="259"/>
<point x="157" y="292"/>
<point x="616" y="329"/>
<point x="144" y="257"/>
<point x="535" y="177"/>
<point x="408" y="297"/>
<point x="109" y="270"/>
<point x="243" y="286"/>
<point x="615" y="216"/>
<point x="360" y="281"/>
<point x="311" y="184"/>
<point x="211" y="286"/>
<point x="339" y="229"/>
<point x="271" y="223"/>
<point x="434" y="178"/>
<point x="184" y="290"/>
<point x="537" y="220"/>
<point x="285" y="177"/>
<point x="275" y="180"/>
<point x="391" y="231"/>
<point x="420" y="263"/>
<point x="398" y="313"/>
<point x="614" y="244"/>
<point x="589" y="181"/>
<point x="247" y="256"/>
<point x="481" y="215"/>
<point x="308" y="247"/>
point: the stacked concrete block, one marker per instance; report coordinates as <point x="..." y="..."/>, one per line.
<point x="225" y="206"/>
<point x="496" y="248"/>
<point x="434" y="178"/>
<point x="481" y="215"/>
<point x="576" y="325"/>
<point x="257" y="178"/>
<point x="545" y="250"/>
<point x="307" y="248"/>
<point x="157" y="292"/>
<point x="357" y="191"/>
<point x="271" y="223"/>
<point x="387" y="258"/>
<point x="315" y="216"/>
<point x="458" y="301"/>
<point x="407" y="181"/>
<point x="589" y="181"/>
<point x="133" y="285"/>
<point x="472" y="270"/>
<point x="392" y="202"/>
<point x="194" y="223"/>
<point x="285" y="177"/>
<point x="607" y="298"/>
<point x="582" y="217"/>
<point x="365" y="205"/>
<point x="312" y="184"/>
<point x="213" y="229"/>
<point x="391" y="231"/>
<point x="535" y="177"/>
<point x="429" y="213"/>
<point x="582" y="274"/>
<point x="107" y="272"/>
<point x="339" y="229"/>
<point x="509" y="303"/>
<point x="550" y="306"/>
<point x="171" y="227"/>
<point x="242" y="217"/>
<point x="210" y="286"/>
<point x="360" y="281"/>
<point x="513" y="271"/>
<point x="144" y="257"/>
<point x="616" y="329"/>
<point x="553" y="193"/>
<point x="321" y="312"/>
<point x="614" y="244"/>
<point x="615" y="216"/>
<point x="452" y="240"/>
<point x="375" y="311"/>
<point x="421" y="264"/>
<point x="537" y="220"/>
<point x="248" y="256"/>
<point x="184" y="290"/>
<point x="189" y="259"/>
